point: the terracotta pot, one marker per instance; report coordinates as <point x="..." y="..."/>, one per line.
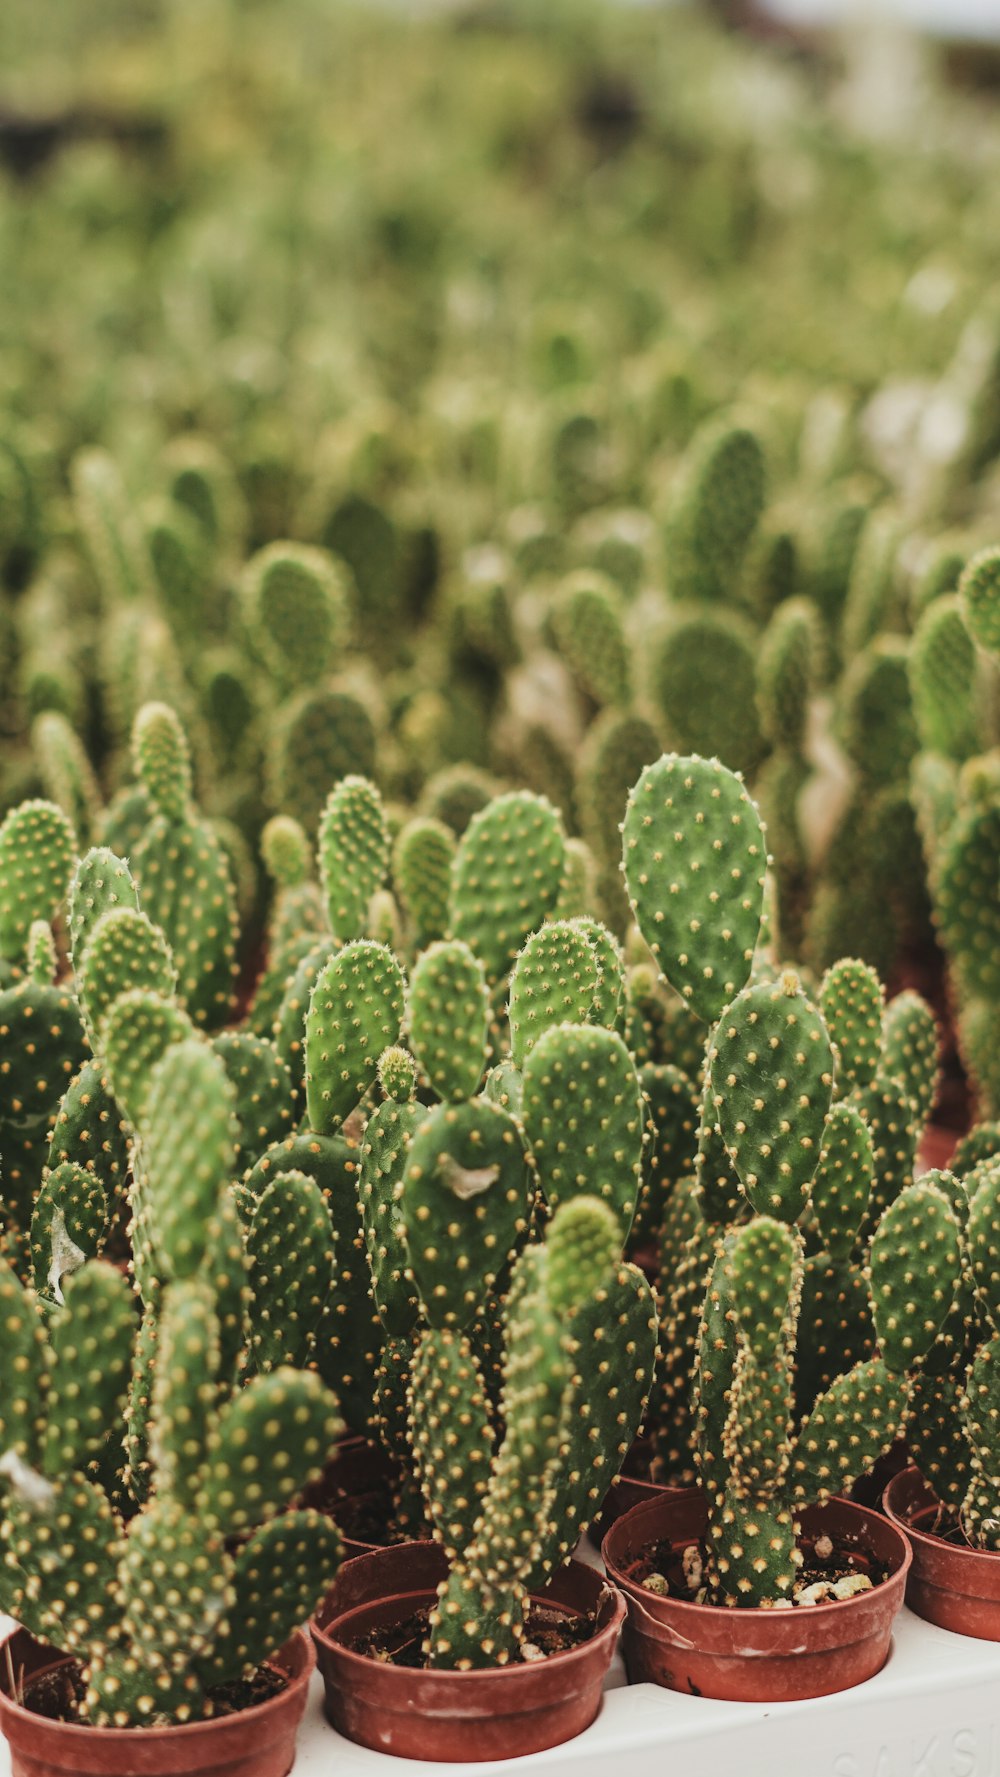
<point x="754" y="1656"/>
<point x="358" y="1473"/>
<point x="950" y="1584"/>
<point x="502" y="1713"/>
<point x="258" y="1742"/>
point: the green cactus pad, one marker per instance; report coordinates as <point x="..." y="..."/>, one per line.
<point x="353" y="854"/>
<point x="185" y="1389"/>
<point x="388" y="1134"/>
<point x="855" y="1422"/>
<point x="355" y="1012"/>
<point x="979" y="592"/>
<point x="126" y="952"/>
<point x="555" y="981"/>
<point x="25" y="1359"/>
<point x="270" y="1441"/>
<point x="851" y="1000"/>
<point x="453" y="1435"/>
<point x="447" y="1017"/>
<point x="506" y="877"/>
<point x="943" y="672"/>
<point x="465" y="1205"/>
<point x="263" y="1086"/>
<point x="771" y="1070"/>
<point x="671" y="1145"/>
<point x="100" y="882"/>
<point x="279" y="1578"/>
<point x="584" y="1115"/>
<point x="915" y="1267"/>
<point x="910" y="1049"/>
<point x="421" y="870"/>
<point x="89" y="1131"/>
<point x="63" y="1545"/>
<point x="296" y="607"/>
<point x="67" y="1228"/>
<point x="694" y="859"/>
<point x="37" y="854"/>
<point x="176" y="1580"/>
<point x="888" y="1112"/>
<point x="841" y="1185"/>
<point x="290" y="1249"/>
<point x="189" y="1150"/>
<point x="139" y="1028"/>
<point x="349" y="1333"/>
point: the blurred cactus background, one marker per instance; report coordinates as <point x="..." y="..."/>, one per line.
<point x="484" y="399"/>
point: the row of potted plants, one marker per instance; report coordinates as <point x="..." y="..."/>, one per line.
<point x="404" y="1195"/>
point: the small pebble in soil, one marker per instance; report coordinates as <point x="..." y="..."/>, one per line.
<point x="655" y="1582"/>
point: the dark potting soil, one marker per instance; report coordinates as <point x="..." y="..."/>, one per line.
<point x="369" y="1518"/>
<point x="401" y="1644"/>
<point x="58" y="1695"/>
<point x="667" y="1559"/>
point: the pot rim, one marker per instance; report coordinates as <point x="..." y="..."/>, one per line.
<point x="145" y="1736"/>
<point x="754" y="1613"/>
<point x="482" y="1674"/>
<point x="958" y="1552"/>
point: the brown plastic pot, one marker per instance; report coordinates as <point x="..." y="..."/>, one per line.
<point x="501" y="1713"/>
<point x="358" y="1473"/>
<point x="950" y="1584"/>
<point x="258" y="1742"/>
<point x="754" y="1656"/>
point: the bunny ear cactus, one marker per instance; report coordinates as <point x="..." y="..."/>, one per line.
<point x="756" y="1470"/>
<point x="37" y="854"/>
<point x="353" y="854"/>
<point x="979" y="594"/>
<point x="584" y="1116"/>
<point x="44" y="1047"/>
<point x="498" y="1513"/>
<point x="355" y="1012"/>
<point x="296" y="609"/>
<point x="448" y="1017"/>
<point x="151" y="1616"/>
<point x="182" y="871"/>
<point x="694" y="861"/>
<point x="506" y="877"/>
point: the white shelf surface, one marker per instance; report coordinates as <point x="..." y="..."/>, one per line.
<point x="933" y="1711"/>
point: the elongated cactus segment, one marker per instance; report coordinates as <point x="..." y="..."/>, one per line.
<point x="139" y="1027"/>
<point x="841" y="1185"/>
<point x="447" y="1015"/>
<point x="421" y="871"/>
<point x="915" y="1269"/>
<point x="271" y="1440"/>
<point x="851" y="999"/>
<point x="388" y="1134"/>
<point x="278" y="1579"/>
<point x="689" y="826"/>
<point x="101" y="881"/>
<point x="851" y="1426"/>
<point x="290" y="1248"/>
<point x="979" y="592"/>
<point x="264" y="1094"/>
<point x="453" y="1434"/>
<point x="186" y="1389"/>
<point x="910" y="1050"/>
<point x="355" y="1012"/>
<point x="126" y="953"/>
<point x="353" y="854"/>
<point x="583" y="1115"/>
<point x="771" y="1071"/>
<point x="465" y="1206"/>
<point x="189" y="1149"/>
<point x="68" y="1227"/>
<point x="506" y="877"/>
<point x="556" y="980"/>
<point x="37" y="854"/>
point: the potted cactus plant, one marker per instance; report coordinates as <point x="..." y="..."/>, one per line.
<point x="158" y="1428"/>
<point x="151" y="1548"/>
<point x="778" y="1425"/>
<point x="947" y="1500"/>
<point x="483" y="1643"/>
